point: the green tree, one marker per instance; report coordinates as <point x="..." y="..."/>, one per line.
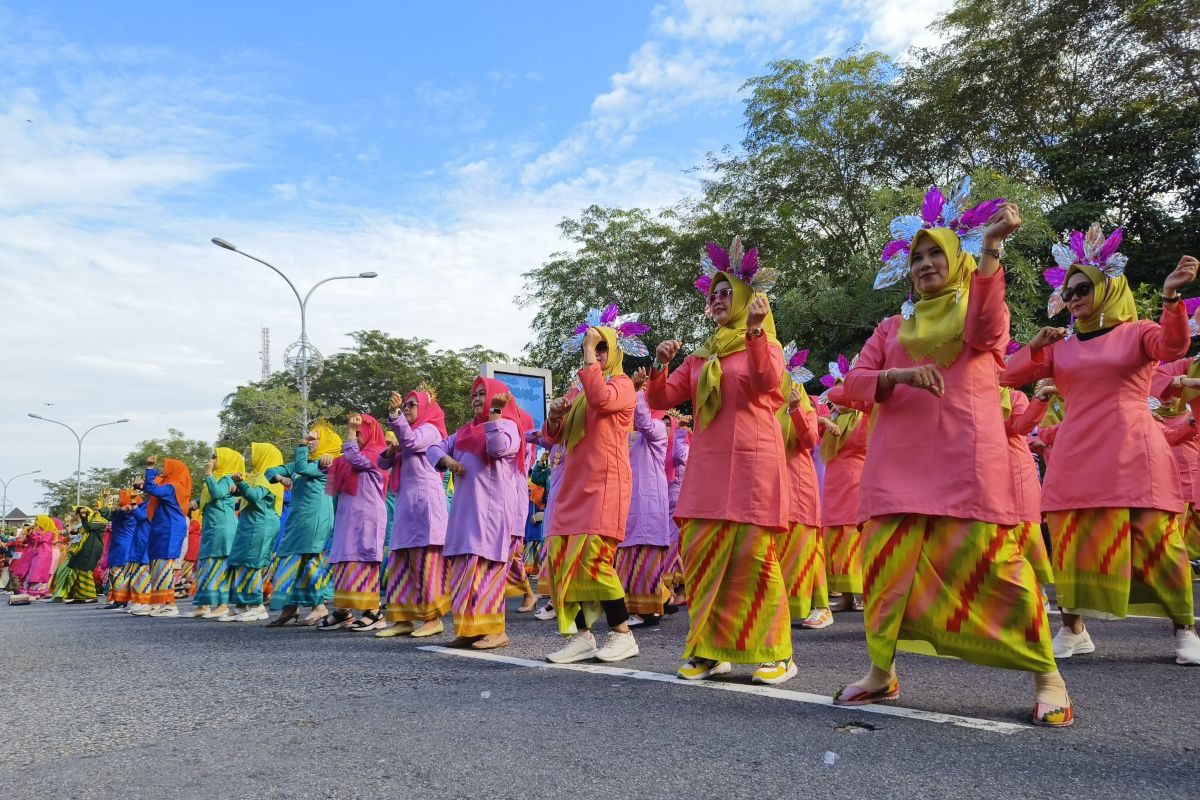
<point x="58" y="497"/>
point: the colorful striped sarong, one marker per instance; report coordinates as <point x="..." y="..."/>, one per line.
<point x="1033" y="549"/>
<point x="516" y="580"/>
<point x="247" y="583"/>
<point x="213" y="583"/>
<point x="952" y="587"/>
<point x="581" y="575"/>
<point x="60" y="581"/>
<point x="673" y="572"/>
<point x="300" y="579"/>
<point x="543" y="576"/>
<point x="640" y="568"/>
<point x="82" y="585"/>
<point x="162" y="581"/>
<point x="356" y="585"/>
<point x="418" y="588"/>
<point x="139" y="585"/>
<point x="1191" y="531"/>
<point x="534" y="550"/>
<point x="119" y="579"/>
<point x="187" y="574"/>
<point x="477" y="594"/>
<point x="802" y="564"/>
<point x="735" y="592"/>
<point x="843" y="558"/>
<point x="1112" y="562"/>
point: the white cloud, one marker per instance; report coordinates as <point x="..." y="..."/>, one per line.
<point x="895" y="27"/>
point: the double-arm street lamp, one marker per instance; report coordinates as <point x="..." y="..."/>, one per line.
<point x="4" y="502"/>
<point x="79" y="439"/>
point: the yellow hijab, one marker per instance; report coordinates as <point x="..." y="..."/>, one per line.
<point x="328" y="442"/>
<point x="785" y="419"/>
<point x="847" y="422"/>
<point x="1006" y="401"/>
<point x="1189" y="395"/>
<point x="264" y="456"/>
<point x="229" y="462"/>
<point x="573" y="423"/>
<point x="46" y="525"/>
<point x="935" y="330"/>
<point x="727" y="339"/>
<point x="1112" y="301"/>
<point x="1054" y="412"/>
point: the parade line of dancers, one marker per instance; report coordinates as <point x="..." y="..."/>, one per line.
<point x="930" y="507"/>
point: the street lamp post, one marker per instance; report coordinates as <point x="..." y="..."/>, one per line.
<point x="79" y="439"/>
<point x="4" y="502"/>
<point x="303" y="301"/>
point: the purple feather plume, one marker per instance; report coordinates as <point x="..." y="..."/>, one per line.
<point x="932" y="206"/>
<point x="893" y="247"/>
<point x="979" y="214"/>
<point x="798" y="359"/>
<point x="1013" y="346"/>
<point x="1191" y="304"/>
<point x="703" y="284"/>
<point x="1054" y="276"/>
<point x="718" y="256"/>
<point x="609" y="315"/>
<point x="843" y="364"/>
<point x="749" y="264"/>
<point x="828" y="381"/>
<point x="1077" y="246"/>
<point x="581" y="328"/>
<point x="630" y="329"/>
<point x="1110" y="246"/>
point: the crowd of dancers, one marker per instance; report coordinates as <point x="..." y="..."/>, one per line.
<point x="910" y="488"/>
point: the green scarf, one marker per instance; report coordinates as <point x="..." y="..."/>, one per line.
<point x="790" y="441"/>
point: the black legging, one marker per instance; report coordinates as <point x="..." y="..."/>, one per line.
<point x="615" y="614"/>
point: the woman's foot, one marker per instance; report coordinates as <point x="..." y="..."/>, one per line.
<point x="431" y="628"/>
<point x="775" y="672"/>
<point x="256" y="614"/>
<point x="195" y="613"/>
<point x="1067" y="643"/>
<point x="369" y="621"/>
<point x="545" y="613"/>
<point x="339" y="619"/>
<point x="231" y="615"/>
<point x="286" y="616"/>
<point x="464" y="641"/>
<point x="491" y="641"/>
<point x="878" y="686"/>
<point x="580" y="646"/>
<point x="698" y="669"/>
<point x="817" y="619"/>
<point x="527" y="606"/>
<point x="315" y="616"/>
<point x="1052" y="705"/>
<point x="395" y="629"/>
<point x="1187" y="647"/>
<point x="216" y="612"/>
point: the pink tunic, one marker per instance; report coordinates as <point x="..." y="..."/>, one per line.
<point x="1109" y="452"/>
<point x="804" y="492"/>
<point x="1187" y="448"/>
<point x="1025" y="416"/>
<point x="940" y="456"/>
<point x="843" y="474"/>
<point x="736" y="465"/>
<point x="597" y="480"/>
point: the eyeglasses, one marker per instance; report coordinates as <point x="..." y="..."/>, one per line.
<point x="409" y="404"/>
<point x="720" y="294"/>
<point x="1078" y="290"/>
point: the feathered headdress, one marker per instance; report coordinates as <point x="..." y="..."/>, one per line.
<point x="937" y="211"/>
<point x="429" y="389"/>
<point x="627" y="327"/>
<point x="739" y="262"/>
<point x="1013" y="347"/>
<point x="837" y="371"/>
<point x="1190" y="305"/>
<point x="1090" y="249"/>
<point x="793" y="361"/>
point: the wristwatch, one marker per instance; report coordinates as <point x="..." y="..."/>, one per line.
<point x="754" y="333"/>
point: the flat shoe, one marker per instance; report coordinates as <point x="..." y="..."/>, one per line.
<point x="1049" y="715"/>
<point x="855" y="695"/>
<point x="463" y="641"/>
<point x="429" y="629"/>
<point x="491" y="642"/>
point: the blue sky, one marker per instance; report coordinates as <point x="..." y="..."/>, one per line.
<point x="437" y="144"/>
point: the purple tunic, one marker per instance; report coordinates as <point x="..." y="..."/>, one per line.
<point x="420" y="516"/>
<point x="679" y="454"/>
<point x="360" y="522"/>
<point x="487" y="507"/>
<point x="558" y="456"/>
<point x="649" y="522"/>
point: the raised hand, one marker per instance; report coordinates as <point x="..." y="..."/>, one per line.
<point x="500" y="401"/>
<point x="794" y="398"/>
<point x="325" y="461"/>
<point x="1002" y="224"/>
<point x="394" y="403"/>
<point x="639" y="377"/>
<point x="757" y="311"/>
<point x="1183" y="274"/>
<point x="667" y="350"/>
<point x="827" y="425"/>
<point x="558" y="409"/>
<point x="1046" y="337"/>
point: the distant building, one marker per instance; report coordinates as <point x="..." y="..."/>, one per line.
<point x="16" y="518"/>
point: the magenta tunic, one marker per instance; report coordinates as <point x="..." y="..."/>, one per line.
<point x="420" y="511"/>
<point x="649" y="505"/>
<point x="940" y="456"/>
<point x="360" y="520"/>
<point x="1025" y="416"/>
<point x="487" y="507"/>
<point x="39" y="557"/>
<point x="1109" y="452"/>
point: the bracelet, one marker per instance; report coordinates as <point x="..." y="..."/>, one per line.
<point x="1174" y="299"/>
<point x="754" y="333"/>
<point x="991" y="251"/>
<point x="657" y="367"/>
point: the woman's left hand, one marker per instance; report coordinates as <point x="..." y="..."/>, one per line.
<point x="794" y="399"/>
<point x="1002" y="224"/>
<point x="1184" y="274"/>
<point x="757" y="311"/>
<point x="639" y="378"/>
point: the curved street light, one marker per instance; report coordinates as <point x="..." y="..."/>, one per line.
<point x="79" y="439"/>
<point x="4" y="502"/>
<point x="303" y="301"/>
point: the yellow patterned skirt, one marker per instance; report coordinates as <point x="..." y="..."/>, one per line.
<point x="802" y="562"/>
<point x="952" y="587"/>
<point x="843" y="558"/>
<point x="1113" y="562"/>
<point x="735" y="591"/>
<point x="1191" y="531"/>
<point x="1033" y="548"/>
<point x="581" y="576"/>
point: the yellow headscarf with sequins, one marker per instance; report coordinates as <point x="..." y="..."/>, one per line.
<point x="936" y="328"/>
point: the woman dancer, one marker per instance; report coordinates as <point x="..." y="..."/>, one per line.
<point x="169" y="497"/>
<point x="257" y="529"/>
<point x="843" y="450"/>
<point x="217" y="529"/>
<point x="1118" y="548"/>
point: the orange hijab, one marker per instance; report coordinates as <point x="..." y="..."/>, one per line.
<point x="175" y="474"/>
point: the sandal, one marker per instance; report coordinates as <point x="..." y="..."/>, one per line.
<point x="855" y="695"/>
<point x="335" y="621"/>
<point x="284" y="619"/>
<point x="1049" y="715"/>
<point x="369" y="621"/>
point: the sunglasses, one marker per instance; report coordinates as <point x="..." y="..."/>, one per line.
<point x="720" y="294"/>
<point x="1079" y="290"/>
<point x="409" y="404"/>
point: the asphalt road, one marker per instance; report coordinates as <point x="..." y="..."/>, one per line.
<point x="100" y="704"/>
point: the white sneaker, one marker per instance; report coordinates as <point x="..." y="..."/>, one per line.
<point x="580" y="647"/>
<point x="140" y="610"/>
<point x="1187" y="648"/>
<point x="817" y="619"/>
<point x="1067" y="644"/>
<point x="198" y="611"/>
<point x="546" y="612"/>
<point x="255" y="614"/>
<point x="165" y="611"/>
<point x="232" y="614"/>
<point x="618" y="647"/>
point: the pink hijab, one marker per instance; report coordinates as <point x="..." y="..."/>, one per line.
<point x="343" y="478"/>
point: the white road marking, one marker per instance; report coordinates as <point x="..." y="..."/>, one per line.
<point x="992" y="726"/>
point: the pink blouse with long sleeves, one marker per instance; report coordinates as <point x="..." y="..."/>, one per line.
<point x="1185" y="448"/>
<point x="940" y="456"/>
<point x="1025" y="416"/>
<point x="1109" y="451"/>
<point x="843" y="474"/>
<point x="805" y="493"/>
<point x="736" y="468"/>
